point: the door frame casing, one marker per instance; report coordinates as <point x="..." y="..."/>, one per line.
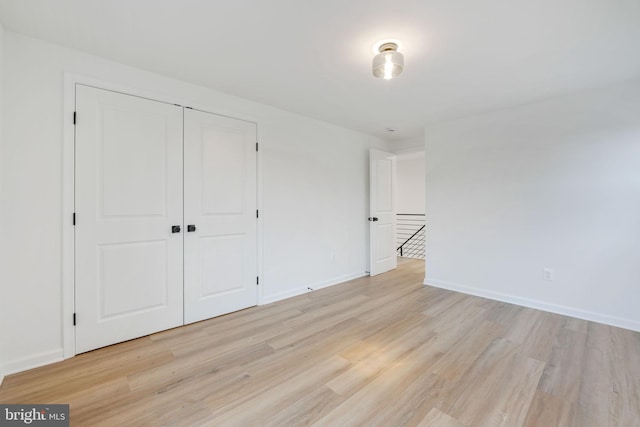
<point x="68" y="187"/>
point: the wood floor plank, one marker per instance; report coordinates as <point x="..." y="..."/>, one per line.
<point x="377" y="358"/>
<point x="411" y="405"/>
<point x="375" y="351"/>
<point x="306" y="410"/>
<point x="396" y="376"/>
<point x="562" y="375"/>
<point x="461" y="356"/>
<point x="279" y="396"/>
<point x="534" y="338"/>
<point x="436" y="418"/>
<point x="547" y="410"/>
<point x="394" y="329"/>
<point x="498" y="389"/>
<point x="611" y="376"/>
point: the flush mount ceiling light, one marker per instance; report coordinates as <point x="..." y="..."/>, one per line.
<point x="388" y="63"/>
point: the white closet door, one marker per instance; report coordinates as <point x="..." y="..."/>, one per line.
<point x="128" y="196"/>
<point x="220" y="208"/>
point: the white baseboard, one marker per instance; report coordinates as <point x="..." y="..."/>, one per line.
<point x="539" y="305"/>
<point x="314" y="286"/>
<point x="34" y="361"/>
<point x="1" y="374"/>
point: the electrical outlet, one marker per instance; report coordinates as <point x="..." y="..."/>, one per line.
<point x="547" y="274"/>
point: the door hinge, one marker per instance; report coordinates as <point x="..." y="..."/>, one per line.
<point x="257" y="213"/>
<point x="257" y="280"/>
<point x="74" y="218"/>
<point x="74" y="319"/>
<point x="256" y="146"/>
<point x="74" y="117"/>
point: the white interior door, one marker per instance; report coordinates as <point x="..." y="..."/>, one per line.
<point x="128" y="196"/>
<point x="220" y="215"/>
<point x="382" y="219"/>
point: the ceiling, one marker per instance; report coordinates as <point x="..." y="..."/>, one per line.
<point x="314" y="58"/>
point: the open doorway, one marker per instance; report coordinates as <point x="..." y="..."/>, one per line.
<point x="410" y="204"/>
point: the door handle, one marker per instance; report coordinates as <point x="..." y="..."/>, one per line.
<point x="175" y="228"/>
<point x="373" y="218"/>
<point x="191" y="228"/>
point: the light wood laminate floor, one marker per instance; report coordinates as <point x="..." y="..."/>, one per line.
<point x="382" y="351"/>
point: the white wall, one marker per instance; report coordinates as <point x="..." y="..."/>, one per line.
<point x="410" y="182"/>
<point x="314" y="185"/>
<point x="315" y="206"/>
<point x="407" y="145"/>
<point x="3" y="301"/>
<point x="553" y="184"/>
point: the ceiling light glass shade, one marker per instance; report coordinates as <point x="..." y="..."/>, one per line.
<point x="389" y="62"/>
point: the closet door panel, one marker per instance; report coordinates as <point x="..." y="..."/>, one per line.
<point x="220" y="202"/>
<point x="128" y="184"/>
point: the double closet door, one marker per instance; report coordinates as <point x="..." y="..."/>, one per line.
<point x="165" y="202"/>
